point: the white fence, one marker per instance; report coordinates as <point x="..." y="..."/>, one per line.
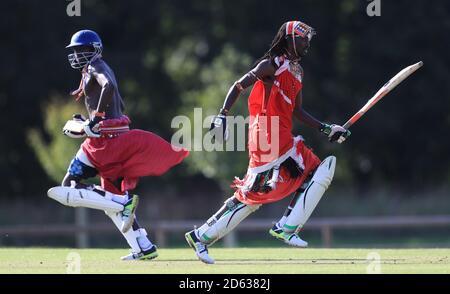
<point x="82" y="229"/>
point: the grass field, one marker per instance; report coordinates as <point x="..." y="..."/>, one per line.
<point x="229" y="261"/>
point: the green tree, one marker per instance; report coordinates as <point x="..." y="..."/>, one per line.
<point x="55" y="153"/>
<point x="212" y="84"/>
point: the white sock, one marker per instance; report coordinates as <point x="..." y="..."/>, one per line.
<point x="144" y="243"/>
<point x="282" y="221"/>
<point x="131" y="236"/>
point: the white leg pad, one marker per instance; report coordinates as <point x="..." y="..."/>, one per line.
<point x="131" y="236"/>
<point x="83" y="198"/>
<point x="309" y="199"/>
<point x="224" y="221"/>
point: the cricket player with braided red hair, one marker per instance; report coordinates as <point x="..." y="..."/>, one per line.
<point x="118" y="154"/>
<point x="280" y="164"/>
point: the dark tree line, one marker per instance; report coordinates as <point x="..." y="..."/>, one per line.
<point x="401" y="141"/>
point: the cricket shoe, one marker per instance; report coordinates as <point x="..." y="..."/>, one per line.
<point x="129" y="210"/>
<point x="291" y="239"/>
<point x="201" y="250"/>
<point x="143" y="255"/>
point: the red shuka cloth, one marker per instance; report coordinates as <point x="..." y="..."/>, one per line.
<point x="286" y="185"/>
<point x="131" y="155"/>
<point x="278" y="108"/>
<point x="267" y="144"/>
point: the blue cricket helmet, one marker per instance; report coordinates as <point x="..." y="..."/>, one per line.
<point x="85" y="38"/>
<point x="88" y="38"/>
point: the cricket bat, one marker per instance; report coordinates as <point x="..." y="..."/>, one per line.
<point x="388" y="87"/>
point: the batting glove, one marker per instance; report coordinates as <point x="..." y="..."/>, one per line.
<point x="335" y="133"/>
<point x="91" y="127"/>
<point x="219" y="129"/>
